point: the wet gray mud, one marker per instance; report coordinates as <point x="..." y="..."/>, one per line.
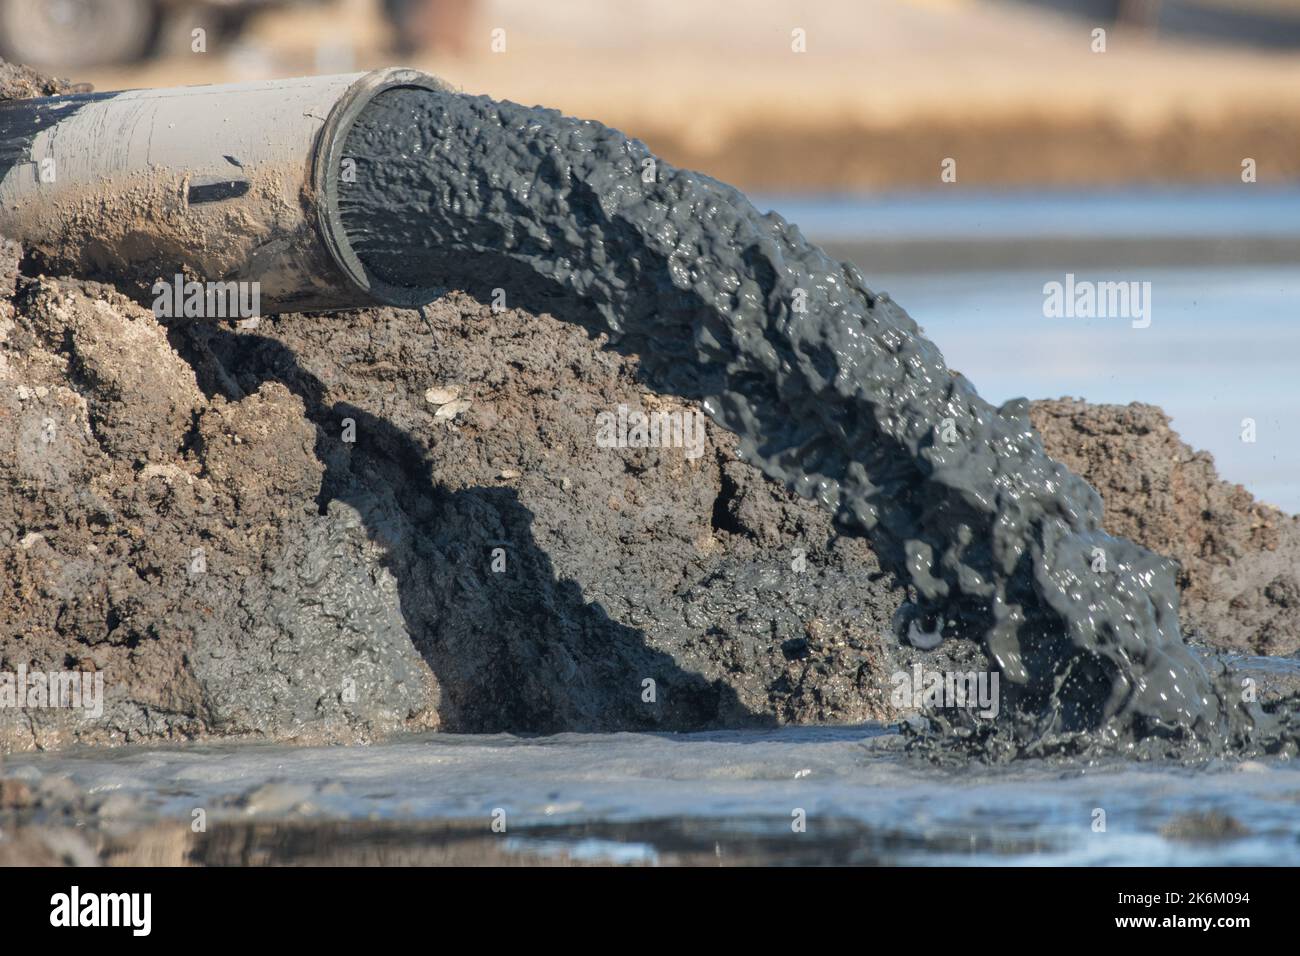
<point x="832" y="391"/>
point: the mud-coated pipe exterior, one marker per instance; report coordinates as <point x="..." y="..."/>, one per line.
<point x="236" y="182"/>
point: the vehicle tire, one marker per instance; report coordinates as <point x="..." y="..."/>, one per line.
<point x="67" y="35"/>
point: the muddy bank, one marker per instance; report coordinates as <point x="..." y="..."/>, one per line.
<point x="234" y="524"/>
<point x="1083" y="149"/>
<point x="725" y="95"/>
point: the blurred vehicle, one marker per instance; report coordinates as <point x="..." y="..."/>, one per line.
<point x="75" y="34"/>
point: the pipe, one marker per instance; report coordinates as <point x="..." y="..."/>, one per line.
<point x="237" y="182"/>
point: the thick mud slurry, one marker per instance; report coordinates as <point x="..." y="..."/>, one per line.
<point x="831" y="389"/>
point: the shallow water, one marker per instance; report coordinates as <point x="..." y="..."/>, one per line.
<point x="644" y="798"/>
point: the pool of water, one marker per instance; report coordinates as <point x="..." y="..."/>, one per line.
<point x="955" y="212"/>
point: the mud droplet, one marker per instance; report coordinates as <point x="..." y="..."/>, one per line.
<point x="925" y="640"/>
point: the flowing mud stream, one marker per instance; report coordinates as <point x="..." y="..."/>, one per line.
<point x="832" y="390"/>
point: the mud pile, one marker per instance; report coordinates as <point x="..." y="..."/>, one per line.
<point x="21" y="82"/>
<point x="274" y="532"/>
<point x="322" y="560"/>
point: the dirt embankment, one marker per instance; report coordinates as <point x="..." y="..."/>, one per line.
<point x="274" y="532"/>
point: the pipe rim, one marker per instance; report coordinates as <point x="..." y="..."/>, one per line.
<point x="325" y="180"/>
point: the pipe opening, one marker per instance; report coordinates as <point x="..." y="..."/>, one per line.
<point x="339" y="171"/>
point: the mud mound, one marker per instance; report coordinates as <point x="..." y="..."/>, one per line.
<point x="329" y="528"/>
<point x="150" y="534"/>
<point x="1237" y="556"/>
<point x="274" y="532"/>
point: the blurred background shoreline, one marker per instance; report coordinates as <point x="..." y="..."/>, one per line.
<point x="1020" y="94"/>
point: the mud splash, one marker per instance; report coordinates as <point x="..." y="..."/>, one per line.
<point x="832" y="390"/>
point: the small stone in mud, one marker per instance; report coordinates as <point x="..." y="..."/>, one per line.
<point x="14" y="795"/>
<point x="442" y="396"/>
<point x="452" y="409"/>
<point x="506" y="474"/>
<point x="1209" y="827"/>
<point x="924" y="640"/>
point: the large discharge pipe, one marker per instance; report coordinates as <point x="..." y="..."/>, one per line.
<point x="234" y="182"/>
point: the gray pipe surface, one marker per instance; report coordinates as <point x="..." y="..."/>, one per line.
<point x="235" y="182"/>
